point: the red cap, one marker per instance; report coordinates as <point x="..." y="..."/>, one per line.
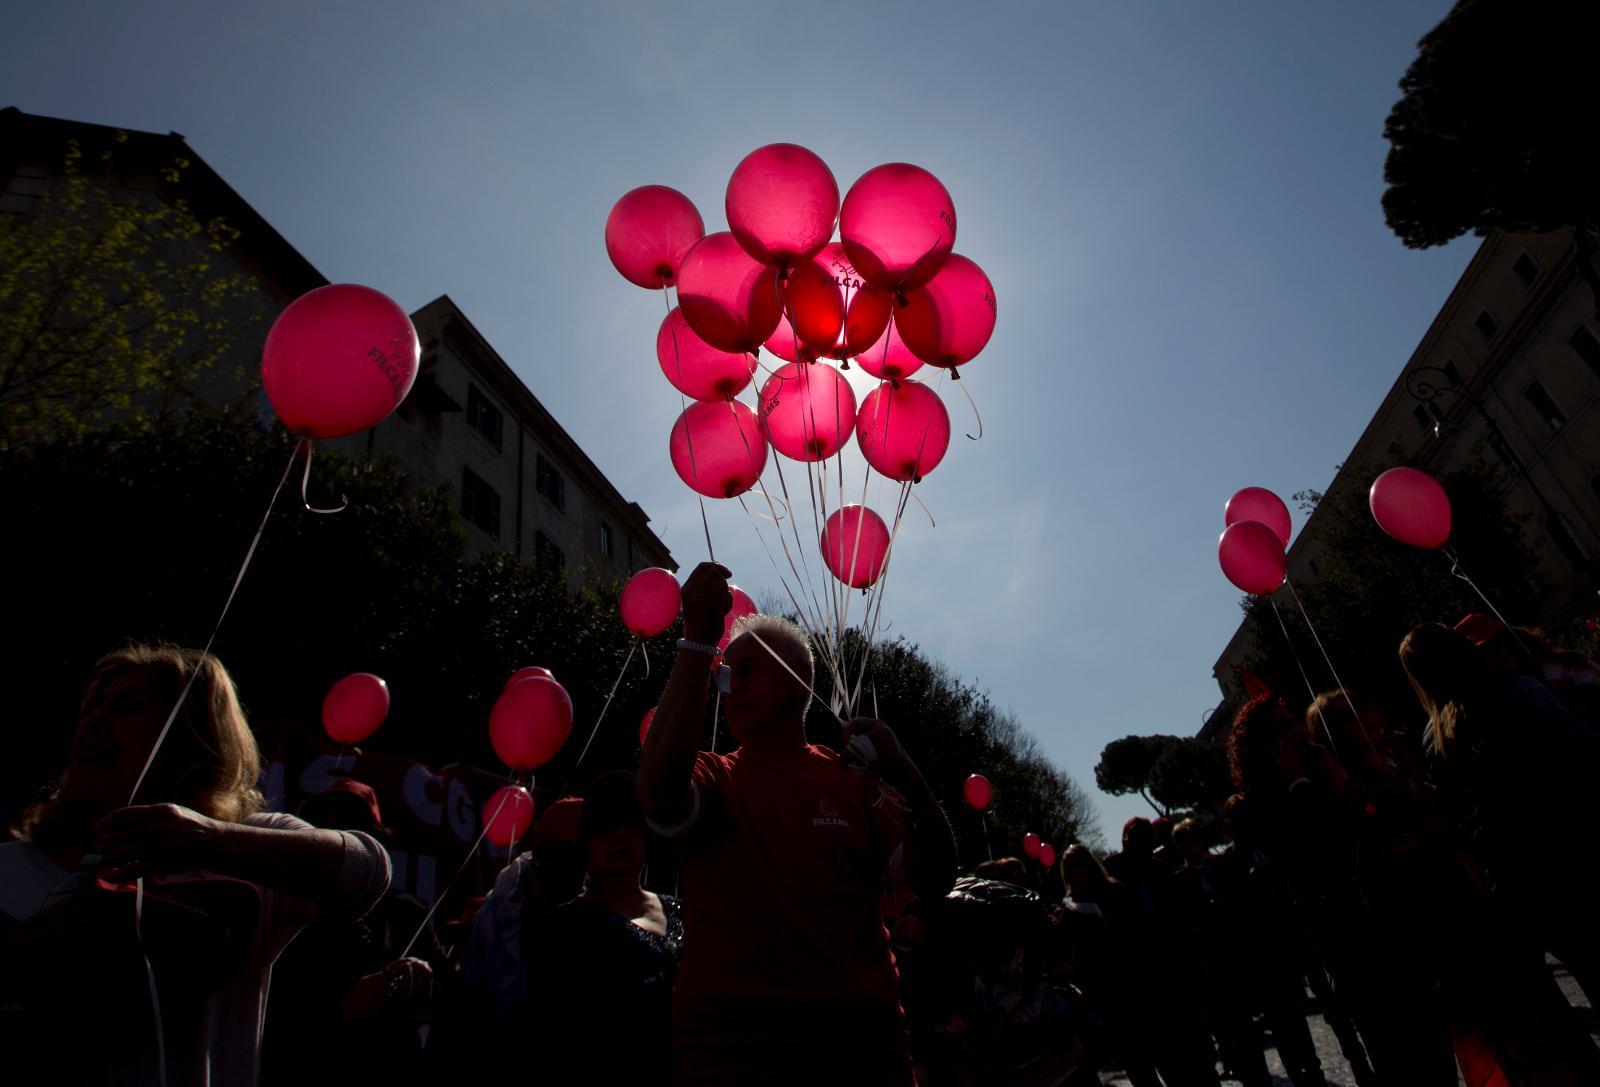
<point x="559" y="823"/>
<point x="1480" y="628"/>
<point x="362" y="792"/>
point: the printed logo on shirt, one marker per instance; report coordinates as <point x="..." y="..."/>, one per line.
<point x="828" y="815"/>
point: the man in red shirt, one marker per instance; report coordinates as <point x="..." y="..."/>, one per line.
<point x="784" y="847"/>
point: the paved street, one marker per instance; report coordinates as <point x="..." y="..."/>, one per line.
<point x="1334" y="1066"/>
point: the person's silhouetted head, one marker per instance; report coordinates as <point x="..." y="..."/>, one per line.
<point x="1452" y="680"/>
<point x="1138" y="837"/>
<point x="1082" y="870"/>
<point x="771" y="675"/>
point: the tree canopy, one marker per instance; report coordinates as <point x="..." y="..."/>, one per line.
<point x="1493" y="130"/>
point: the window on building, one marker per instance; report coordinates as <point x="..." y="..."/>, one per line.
<point x="480" y="503"/>
<point x="1453" y="372"/>
<point x="484" y="417"/>
<point x="549" y="482"/>
<point x="1507" y="455"/>
<point x="1427" y="417"/>
<point x="1561" y="535"/>
<point x="1545" y="405"/>
<point x="1527" y="269"/>
<point x="1486" y="325"/>
<point x="1583" y="340"/>
<point x="547" y="553"/>
<point x="607" y="548"/>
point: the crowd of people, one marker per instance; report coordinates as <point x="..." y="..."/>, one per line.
<point x="1407" y="886"/>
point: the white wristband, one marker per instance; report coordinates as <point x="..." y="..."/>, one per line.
<point x="698" y="647"/>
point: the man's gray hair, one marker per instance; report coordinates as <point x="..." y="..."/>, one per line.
<point x="781" y="636"/>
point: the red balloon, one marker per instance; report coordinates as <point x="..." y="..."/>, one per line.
<point x="903" y="430"/>
<point x="1259" y="504"/>
<point x="742" y="606"/>
<point x="977" y="792"/>
<point x="695" y="368"/>
<point x="509" y="811"/>
<point x="729" y="299"/>
<point x="782" y="204"/>
<point x="644" y="724"/>
<point x="947" y="322"/>
<point x="648" y="232"/>
<point x="835" y="312"/>
<point x="855" y="545"/>
<point x="807" y="410"/>
<point x="898" y="225"/>
<point x="1047" y="854"/>
<point x="354" y="707"/>
<point x="530" y="721"/>
<point x="889" y="359"/>
<point x="787" y="346"/>
<point x="1031" y="843"/>
<point x="719" y="450"/>
<point x="1252" y="557"/>
<point x="650" y="601"/>
<point x="528" y="673"/>
<point x="339" y="359"/>
<point x="1412" y="507"/>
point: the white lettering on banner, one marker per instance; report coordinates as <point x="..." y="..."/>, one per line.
<point x="415" y="789"/>
<point x="318" y="775"/>
<point x="463" y="814"/>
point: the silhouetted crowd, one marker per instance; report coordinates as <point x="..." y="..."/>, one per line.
<point x="1411" y="888"/>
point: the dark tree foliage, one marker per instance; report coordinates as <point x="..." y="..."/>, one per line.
<point x="1125" y="766"/>
<point x="135" y="533"/>
<point x="1371" y="590"/>
<point x="1495" y="127"/>
<point x="1192" y="775"/>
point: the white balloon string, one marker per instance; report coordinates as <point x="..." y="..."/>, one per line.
<point x="1310" y="691"/>
<point x="205" y="653"/>
<point x="688" y="432"/>
<point x="1457" y="571"/>
<point x="975" y="410"/>
<point x="305" y="485"/>
<point x="716" y="719"/>
<point x="810" y="690"/>
<point x="984" y="822"/>
<point x="595" y="731"/>
<point x="1348" y="701"/>
<point x="150" y="979"/>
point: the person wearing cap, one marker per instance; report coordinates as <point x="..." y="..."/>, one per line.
<point x="600" y="967"/>
<point x="785" y="847"/>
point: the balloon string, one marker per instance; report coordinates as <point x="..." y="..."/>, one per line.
<point x="194" y="674"/>
<point x="983" y="821"/>
<point x="925" y="509"/>
<point x="688" y="432"/>
<point x="716" y="719"/>
<point x="150" y="979"/>
<point x="471" y="852"/>
<point x="1332" y="746"/>
<point x="975" y="411"/>
<point x="1457" y="571"/>
<point x="810" y="690"/>
<point x="305" y="483"/>
<point x="593" y="732"/>
<point x="1348" y="701"/>
<point x="875" y="605"/>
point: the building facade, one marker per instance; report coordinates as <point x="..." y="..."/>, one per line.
<point x="520" y="481"/>
<point x="1511" y="366"/>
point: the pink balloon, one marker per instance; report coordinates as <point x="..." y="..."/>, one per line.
<point x="742" y="606"/>
<point x="644" y="724"/>
<point x="807" y="410"/>
<point x="903" y="430"/>
<point x="729" y="299"/>
<point x="1412" y="507"/>
<point x="650" y="601"/>
<point x="977" y="792"/>
<point x="529" y="673"/>
<point x="1259" y="504"/>
<point x="719" y="450"/>
<point x="695" y="368"/>
<point x="947" y="322"/>
<point x="898" y="225"/>
<point x="835" y="312"/>
<point x="339" y="359"/>
<point x="782" y="204"/>
<point x="1031" y="843"/>
<point x="855" y="545"/>
<point x="648" y="232"/>
<point x="889" y="359"/>
<point x="1047" y="854"/>
<point x="354" y="707"/>
<point x="510" y="814"/>
<point x="787" y="346"/>
<point x="530" y="721"/>
<point x="1252" y="557"/>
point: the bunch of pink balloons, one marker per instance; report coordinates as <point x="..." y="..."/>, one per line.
<point x="818" y="281"/>
<point x="1251" y="550"/>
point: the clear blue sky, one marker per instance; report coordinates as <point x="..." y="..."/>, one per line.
<point x="1177" y="203"/>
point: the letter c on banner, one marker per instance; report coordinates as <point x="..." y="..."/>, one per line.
<point x="419" y="798"/>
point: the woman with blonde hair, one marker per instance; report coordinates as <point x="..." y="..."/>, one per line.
<point x="168" y="861"/>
